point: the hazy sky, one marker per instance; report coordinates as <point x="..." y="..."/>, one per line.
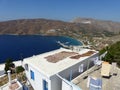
<point x="60" y="9"/>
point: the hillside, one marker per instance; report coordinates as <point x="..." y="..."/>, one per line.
<point x="105" y="25"/>
<point x="55" y="27"/>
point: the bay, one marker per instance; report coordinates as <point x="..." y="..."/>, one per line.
<point x="18" y="47"/>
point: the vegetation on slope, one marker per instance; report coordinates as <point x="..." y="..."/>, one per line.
<point x="113" y="54"/>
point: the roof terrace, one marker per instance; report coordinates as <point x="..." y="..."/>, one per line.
<point x="89" y="53"/>
<point x="108" y="83"/>
<point x="59" y="56"/>
<point x="15" y="85"/>
<point x="64" y="54"/>
<point x="48" y="62"/>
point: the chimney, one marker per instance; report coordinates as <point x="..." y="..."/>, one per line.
<point x="9" y="76"/>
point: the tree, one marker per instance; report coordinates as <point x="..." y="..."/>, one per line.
<point x="9" y="65"/>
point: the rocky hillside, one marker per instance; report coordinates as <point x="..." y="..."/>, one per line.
<point x="104" y="25"/>
<point x="55" y="27"/>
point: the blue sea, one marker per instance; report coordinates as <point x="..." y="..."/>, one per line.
<point x="17" y="47"/>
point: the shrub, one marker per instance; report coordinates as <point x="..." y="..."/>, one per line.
<point x="19" y="69"/>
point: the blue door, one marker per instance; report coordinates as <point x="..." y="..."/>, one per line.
<point x="45" y="85"/>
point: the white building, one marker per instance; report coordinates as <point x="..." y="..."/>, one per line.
<point x="53" y="70"/>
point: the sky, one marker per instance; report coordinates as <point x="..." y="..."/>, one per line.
<point x="65" y="10"/>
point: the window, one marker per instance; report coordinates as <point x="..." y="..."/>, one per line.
<point x="45" y="85"/>
<point x="96" y="59"/>
<point x="26" y="67"/>
<point x="32" y="75"/>
<point x="81" y="68"/>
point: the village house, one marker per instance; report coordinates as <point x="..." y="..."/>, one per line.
<point x="56" y="69"/>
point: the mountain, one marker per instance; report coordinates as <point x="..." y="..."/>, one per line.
<point x="104" y="25"/>
<point x="76" y="28"/>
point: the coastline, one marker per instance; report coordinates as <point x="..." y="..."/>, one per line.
<point x="37" y="44"/>
<point x="17" y="63"/>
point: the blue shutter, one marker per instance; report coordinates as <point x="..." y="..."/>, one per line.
<point x="45" y="85"/>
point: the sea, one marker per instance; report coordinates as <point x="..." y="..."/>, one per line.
<point x="18" y="47"/>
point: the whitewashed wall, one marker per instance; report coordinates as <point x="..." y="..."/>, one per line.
<point x="37" y="83"/>
<point x="75" y="68"/>
<point x="56" y="83"/>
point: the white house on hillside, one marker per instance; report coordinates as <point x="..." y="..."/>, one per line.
<point x="55" y="69"/>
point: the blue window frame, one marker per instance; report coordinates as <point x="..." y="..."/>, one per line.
<point x="45" y="85"/>
<point x="32" y="75"/>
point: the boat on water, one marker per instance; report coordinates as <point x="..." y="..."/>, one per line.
<point x="63" y="45"/>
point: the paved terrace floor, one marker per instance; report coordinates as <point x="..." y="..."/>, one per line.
<point x="111" y="83"/>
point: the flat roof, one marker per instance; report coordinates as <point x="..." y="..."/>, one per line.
<point x="55" y="61"/>
<point x="108" y="83"/>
